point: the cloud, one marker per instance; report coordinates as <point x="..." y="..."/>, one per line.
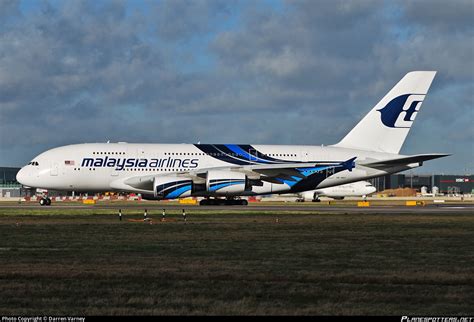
<point x="9" y="9"/>
<point x="291" y="72"/>
<point x="439" y="16"/>
<point x="179" y="20"/>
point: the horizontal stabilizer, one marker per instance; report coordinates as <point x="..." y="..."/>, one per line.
<point x="419" y="158"/>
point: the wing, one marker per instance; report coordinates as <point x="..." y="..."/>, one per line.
<point x="287" y="173"/>
<point x="294" y="173"/>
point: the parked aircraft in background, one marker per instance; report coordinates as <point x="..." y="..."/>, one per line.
<point x="229" y="171"/>
<point x="354" y="189"/>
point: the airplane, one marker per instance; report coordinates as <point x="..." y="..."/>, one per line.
<point x="354" y="189"/>
<point x="223" y="173"/>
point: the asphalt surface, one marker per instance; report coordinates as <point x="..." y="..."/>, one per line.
<point x="309" y="207"/>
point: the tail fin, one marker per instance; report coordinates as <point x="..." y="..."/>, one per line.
<point x="386" y="126"/>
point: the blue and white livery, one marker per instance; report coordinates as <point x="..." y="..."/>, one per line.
<point x="168" y="171"/>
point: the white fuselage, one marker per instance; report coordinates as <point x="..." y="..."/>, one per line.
<point x="108" y="166"/>
<point x="168" y="171"/>
<point x="354" y="189"/>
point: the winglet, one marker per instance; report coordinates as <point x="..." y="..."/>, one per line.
<point x="349" y="164"/>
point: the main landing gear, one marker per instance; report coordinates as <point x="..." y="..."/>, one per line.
<point x="223" y="202"/>
<point x="45" y="201"/>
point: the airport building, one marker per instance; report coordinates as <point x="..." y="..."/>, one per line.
<point x="445" y="184"/>
<point x="9" y="187"/>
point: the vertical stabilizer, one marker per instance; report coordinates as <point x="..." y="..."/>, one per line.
<point x="386" y="126"/>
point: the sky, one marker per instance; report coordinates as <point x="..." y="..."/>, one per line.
<point x="230" y="71"/>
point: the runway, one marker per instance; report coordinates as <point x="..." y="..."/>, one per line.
<point x="331" y="251"/>
<point x="454" y="208"/>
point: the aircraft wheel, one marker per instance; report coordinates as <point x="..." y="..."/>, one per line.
<point x="48" y="202"/>
<point x="244" y="202"/>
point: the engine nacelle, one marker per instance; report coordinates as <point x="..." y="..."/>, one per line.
<point x="308" y="195"/>
<point x="172" y="187"/>
<point x="221" y="182"/>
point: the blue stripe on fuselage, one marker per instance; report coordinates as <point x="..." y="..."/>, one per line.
<point x="237" y="149"/>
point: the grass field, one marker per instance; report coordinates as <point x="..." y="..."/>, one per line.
<point x="87" y="262"/>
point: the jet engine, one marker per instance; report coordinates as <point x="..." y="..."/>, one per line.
<point x="221" y="182"/>
<point x="172" y="187"/>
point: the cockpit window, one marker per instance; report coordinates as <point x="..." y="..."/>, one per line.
<point x="34" y="163"/>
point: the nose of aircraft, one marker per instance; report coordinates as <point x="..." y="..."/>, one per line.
<point x="22" y="176"/>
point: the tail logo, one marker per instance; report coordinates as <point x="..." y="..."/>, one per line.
<point x="401" y="111"/>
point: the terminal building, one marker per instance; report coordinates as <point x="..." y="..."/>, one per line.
<point x="9" y="187"/>
<point x="446" y="184"/>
